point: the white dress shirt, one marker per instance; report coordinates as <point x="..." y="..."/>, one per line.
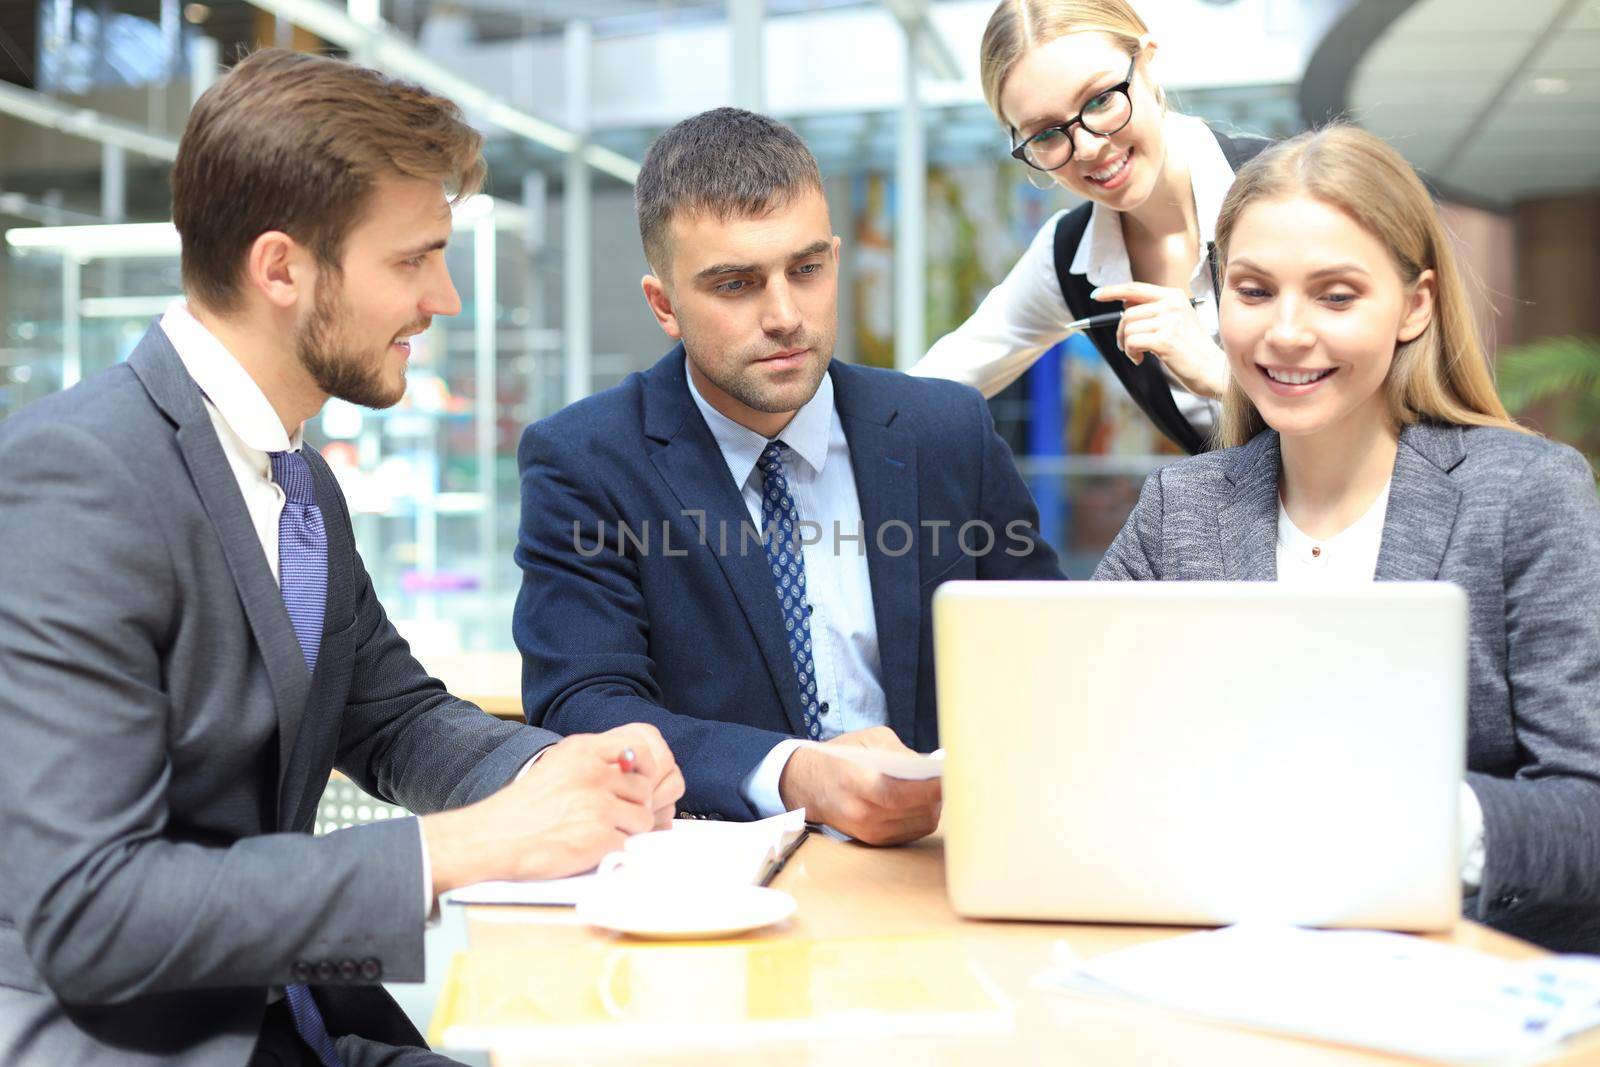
<point x="248" y="427"/>
<point x="1350" y="557"/>
<point x="1026" y="314"/>
<point x="844" y="630"/>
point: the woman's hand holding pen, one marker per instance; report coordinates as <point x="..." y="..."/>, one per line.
<point x="1162" y="321"/>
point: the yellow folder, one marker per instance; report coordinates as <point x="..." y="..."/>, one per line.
<point x="713" y="994"/>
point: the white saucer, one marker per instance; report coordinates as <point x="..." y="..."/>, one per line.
<point x="673" y="915"/>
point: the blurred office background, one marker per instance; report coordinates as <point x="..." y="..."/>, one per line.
<point x="1498" y="104"/>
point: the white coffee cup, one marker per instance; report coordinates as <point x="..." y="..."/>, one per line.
<point x="683" y="858"/>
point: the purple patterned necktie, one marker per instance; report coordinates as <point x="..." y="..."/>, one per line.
<point x="303" y="578"/>
<point x="780" y="530"/>
<point x="302" y="552"/>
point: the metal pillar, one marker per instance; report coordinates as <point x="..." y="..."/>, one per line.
<point x="368" y="13"/>
<point x="113" y="183"/>
<point x="746" y="23"/>
<point x="71" y="321"/>
<point x="55" y="33"/>
<point x="485" y="336"/>
<point x="535" y="207"/>
<point x="205" y="56"/>
<point x="172" y="38"/>
<point x="911" y="213"/>
<point x="577" y="237"/>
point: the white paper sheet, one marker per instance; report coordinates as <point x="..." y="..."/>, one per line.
<point x="1385" y="991"/>
<point x="748" y="845"/>
<point x="910" y="766"/>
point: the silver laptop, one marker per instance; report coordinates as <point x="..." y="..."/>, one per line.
<point x="1203" y="753"/>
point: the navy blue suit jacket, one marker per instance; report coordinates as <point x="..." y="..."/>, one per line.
<point x="668" y="625"/>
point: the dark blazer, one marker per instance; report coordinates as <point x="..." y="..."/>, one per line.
<point x="1144" y="381"/>
<point x="1513" y="520"/>
<point x="688" y="635"/>
<point x="165" y="749"/>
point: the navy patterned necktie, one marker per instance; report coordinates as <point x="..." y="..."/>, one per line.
<point x="780" y="526"/>
<point x="303" y="578"/>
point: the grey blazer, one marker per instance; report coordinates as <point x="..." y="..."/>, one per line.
<point x="1513" y="520"/>
<point x="164" y="749"/>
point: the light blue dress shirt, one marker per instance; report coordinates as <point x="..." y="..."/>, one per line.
<point x="844" y="630"/>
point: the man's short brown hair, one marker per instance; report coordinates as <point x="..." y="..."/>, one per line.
<point x="295" y="142"/>
<point x="727" y="162"/>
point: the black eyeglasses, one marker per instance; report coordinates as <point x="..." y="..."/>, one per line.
<point x="1052" y="147"/>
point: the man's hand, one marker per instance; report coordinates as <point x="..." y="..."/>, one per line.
<point x="653" y="759"/>
<point x="572" y="807"/>
<point x="869" y="806"/>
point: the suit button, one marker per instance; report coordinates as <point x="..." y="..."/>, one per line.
<point x="824" y="708"/>
<point x="300" y="971"/>
<point x="349" y="970"/>
<point x="326" y="971"/>
<point x="371" y="969"/>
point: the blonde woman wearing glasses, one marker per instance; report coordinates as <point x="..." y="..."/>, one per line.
<point x="1070" y="82"/>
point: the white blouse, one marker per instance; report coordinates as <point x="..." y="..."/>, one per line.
<point x="1025" y="315"/>
<point x="1350" y="557"/>
<point x="1347" y="558"/>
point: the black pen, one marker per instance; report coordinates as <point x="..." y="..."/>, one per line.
<point x="1106" y="319"/>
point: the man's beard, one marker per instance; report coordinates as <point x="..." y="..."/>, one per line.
<point x="745" y="386"/>
<point x="339" y="368"/>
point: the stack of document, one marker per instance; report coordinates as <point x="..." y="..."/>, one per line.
<point x="1384" y="991"/>
<point x="746" y="853"/>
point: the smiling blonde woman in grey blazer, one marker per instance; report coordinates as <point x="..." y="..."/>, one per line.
<point x="1368" y="443"/>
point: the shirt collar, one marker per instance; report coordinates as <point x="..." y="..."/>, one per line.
<point x="806" y="435"/>
<point x="226" y="384"/>
<point x="1103" y="256"/>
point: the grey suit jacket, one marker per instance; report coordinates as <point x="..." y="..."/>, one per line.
<point x="1513" y="520"/>
<point x="164" y="748"/>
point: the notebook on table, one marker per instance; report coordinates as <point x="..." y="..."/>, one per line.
<point x="744" y="852"/>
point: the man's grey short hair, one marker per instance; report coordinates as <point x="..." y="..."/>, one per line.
<point x="727" y="162"/>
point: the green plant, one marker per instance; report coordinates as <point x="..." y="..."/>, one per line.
<point x="1560" y="376"/>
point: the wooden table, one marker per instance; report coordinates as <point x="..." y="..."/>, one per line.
<point x="849" y="891"/>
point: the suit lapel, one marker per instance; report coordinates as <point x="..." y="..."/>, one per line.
<point x="1247" y="523"/>
<point x="691" y="464"/>
<point x="157" y="366"/>
<point x="885" y="464"/>
<point x="1423" y="502"/>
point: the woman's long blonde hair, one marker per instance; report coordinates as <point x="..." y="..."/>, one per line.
<point x="1019" y="25"/>
<point x="1443" y="374"/>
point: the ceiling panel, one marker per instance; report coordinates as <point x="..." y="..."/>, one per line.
<point x="1571" y="50"/>
<point x="1440" y="69"/>
<point x="1419" y="57"/>
<point x="1588" y="17"/>
<point x="1529" y="186"/>
<point x="1433" y="17"/>
<point x="1575" y="109"/>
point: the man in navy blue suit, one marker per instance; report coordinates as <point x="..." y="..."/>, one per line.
<point x="738" y="545"/>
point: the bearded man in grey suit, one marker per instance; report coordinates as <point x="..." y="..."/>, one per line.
<point x="189" y="641"/>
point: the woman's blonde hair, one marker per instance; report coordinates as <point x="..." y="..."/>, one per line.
<point x="1442" y="375"/>
<point x="1017" y="26"/>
